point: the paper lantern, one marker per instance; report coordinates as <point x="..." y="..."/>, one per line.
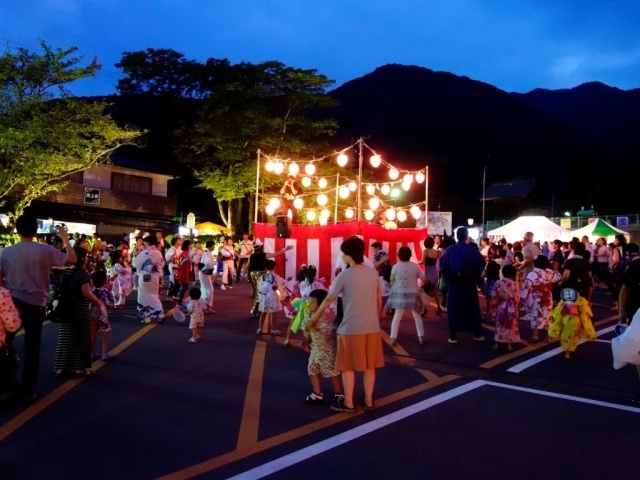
<point x="275" y="202"/>
<point x="394" y="174"/>
<point x="349" y="213"/>
<point x="402" y="216"/>
<point x="344" y="192"/>
<point x="293" y="169"/>
<point x="374" y="203"/>
<point x="416" y="212"/>
<point x="322" y="200"/>
<point x="420" y="178"/>
<point x="278" y="168"/>
<point x="311" y="215"/>
<point x="325" y="213"/>
<point x="368" y="215"/>
<point x="375" y="161"/>
<point x="298" y="203"/>
<point x="371" y="189"/>
<point x="342" y="159"/>
<point x="385" y="189"/>
<point x="306" y="182"/>
<point x="406" y="186"/>
<point x="269" y="166"/>
<point x="390" y="213"/>
<point x="353" y="186"/>
<point x="269" y="209"/>
<point x="322" y="183"/>
<point x="309" y="169"/>
<point x="408" y="178"/>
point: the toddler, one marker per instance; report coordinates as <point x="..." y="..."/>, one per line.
<point x="196" y="310"/>
<point x="269" y="302"/>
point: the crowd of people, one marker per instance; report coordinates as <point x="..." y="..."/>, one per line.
<point x="520" y="282"/>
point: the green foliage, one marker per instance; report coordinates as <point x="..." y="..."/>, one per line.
<point x="44" y="139"/>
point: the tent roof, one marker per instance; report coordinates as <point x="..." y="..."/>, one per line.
<point x="542" y="228"/>
<point x="210" y="228"/>
<point x="598" y="228"/>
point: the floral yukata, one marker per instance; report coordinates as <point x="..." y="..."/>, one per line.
<point x="572" y="321"/>
<point x="537" y="296"/>
<point x="505" y="297"/>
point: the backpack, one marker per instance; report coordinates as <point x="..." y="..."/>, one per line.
<point x="58" y="309"/>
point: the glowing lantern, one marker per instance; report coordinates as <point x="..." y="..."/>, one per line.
<point x="375" y="161"/>
<point x="385" y="189"/>
<point x="311" y="215"/>
<point x="322" y="200"/>
<point x="368" y="215"/>
<point x="408" y="178"/>
<point x="278" y="168"/>
<point x="269" y="166"/>
<point x="309" y="169"/>
<point x="402" y="216"/>
<point x="343" y="192"/>
<point x="324" y="213"/>
<point x="371" y="189"/>
<point x="390" y="213"/>
<point x="420" y="178"/>
<point x="353" y="186"/>
<point x="322" y="183"/>
<point x="306" y="181"/>
<point x="274" y="202"/>
<point x="342" y="159"/>
<point x="406" y="186"/>
<point x="416" y="212"/>
<point x="269" y="209"/>
<point x="393" y="174"/>
<point x="349" y="213"/>
<point x="374" y="203"/>
<point x="298" y="203"/>
<point x="293" y="169"/>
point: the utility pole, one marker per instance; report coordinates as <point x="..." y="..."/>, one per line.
<point x="484" y="190"/>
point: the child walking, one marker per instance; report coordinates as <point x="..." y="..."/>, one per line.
<point x="322" y="359"/>
<point x="121" y="279"/>
<point x="537" y="294"/>
<point x="572" y="321"/>
<point x="197" y="307"/>
<point x="99" y="317"/>
<point x="269" y="301"/>
<point x="505" y="301"/>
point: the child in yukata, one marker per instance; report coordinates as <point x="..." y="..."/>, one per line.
<point x="271" y="289"/>
<point x="98" y="315"/>
<point x="322" y="359"/>
<point x="571" y="321"/>
<point x="537" y="295"/>
<point x="504" y="296"/>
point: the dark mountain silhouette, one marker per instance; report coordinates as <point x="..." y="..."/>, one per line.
<point x="567" y="139"/>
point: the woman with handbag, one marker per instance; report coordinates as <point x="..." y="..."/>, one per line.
<point x="73" y="351"/>
<point x="405" y="293"/>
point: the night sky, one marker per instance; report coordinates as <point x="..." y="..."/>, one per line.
<point x="514" y="45"/>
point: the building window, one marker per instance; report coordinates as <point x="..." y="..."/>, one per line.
<point x="131" y="183"/>
<point x="77" y="177"/>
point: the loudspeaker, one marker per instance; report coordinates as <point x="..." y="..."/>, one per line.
<point x="283" y="226"/>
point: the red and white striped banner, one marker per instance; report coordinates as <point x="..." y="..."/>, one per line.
<point x="320" y="245"/>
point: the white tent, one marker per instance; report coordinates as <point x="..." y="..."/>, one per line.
<point x="599" y="228"/>
<point x="542" y="228"/>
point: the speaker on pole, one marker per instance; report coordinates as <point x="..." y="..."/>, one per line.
<point x="283" y="226"/>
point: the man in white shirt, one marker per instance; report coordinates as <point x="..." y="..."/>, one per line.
<point x="588" y="247"/>
<point x="245" y="249"/>
<point x="228" y="254"/>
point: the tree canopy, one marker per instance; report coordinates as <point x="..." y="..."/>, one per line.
<point x="45" y="135"/>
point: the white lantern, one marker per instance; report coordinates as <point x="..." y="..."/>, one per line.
<point x="393" y="174"/>
<point x="368" y="215"/>
<point x="269" y="209"/>
<point x="269" y="166"/>
<point x="322" y="221"/>
<point x="402" y="216"/>
<point x="322" y="183"/>
<point x="375" y="161"/>
<point x="349" y="213"/>
<point x="420" y="178"/>
<point x="278" y="168"/>
<point x="293" y="169"/>
<point x="374" y="203"/>
<point x="274" y="202"/>
<point x="342" y="159"/>
<point x="298" y="203"/>
<point x="311" y="215"/>
<point x="353" y="186"/>
<point x="390" y="213"/>
<point x="306" y="182"/>
<point x="325" y="213"/>
<point x="322" y="200"/>
<point x="385" y="189"/>
<point x="406" y="186"/>
<point x="408" y="178"/>
<point x="309" y="168"/>
<point x="344" y="192"/>
<point x="416" y="212"/>
<point x="371" y="189"/>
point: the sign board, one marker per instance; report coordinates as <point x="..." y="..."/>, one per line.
<point x="622" y="222"/>
<point x="439" y="223"/>
<point x="92" y="195"/>
<point x="191" y="221"/>
<point x="565" y="223"/>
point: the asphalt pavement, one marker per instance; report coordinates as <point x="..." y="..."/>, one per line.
<point x="232" y="406"/>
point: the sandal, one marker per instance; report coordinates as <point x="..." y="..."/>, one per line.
<point x="286" y="343"/>
<point x="368" y="408"/>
